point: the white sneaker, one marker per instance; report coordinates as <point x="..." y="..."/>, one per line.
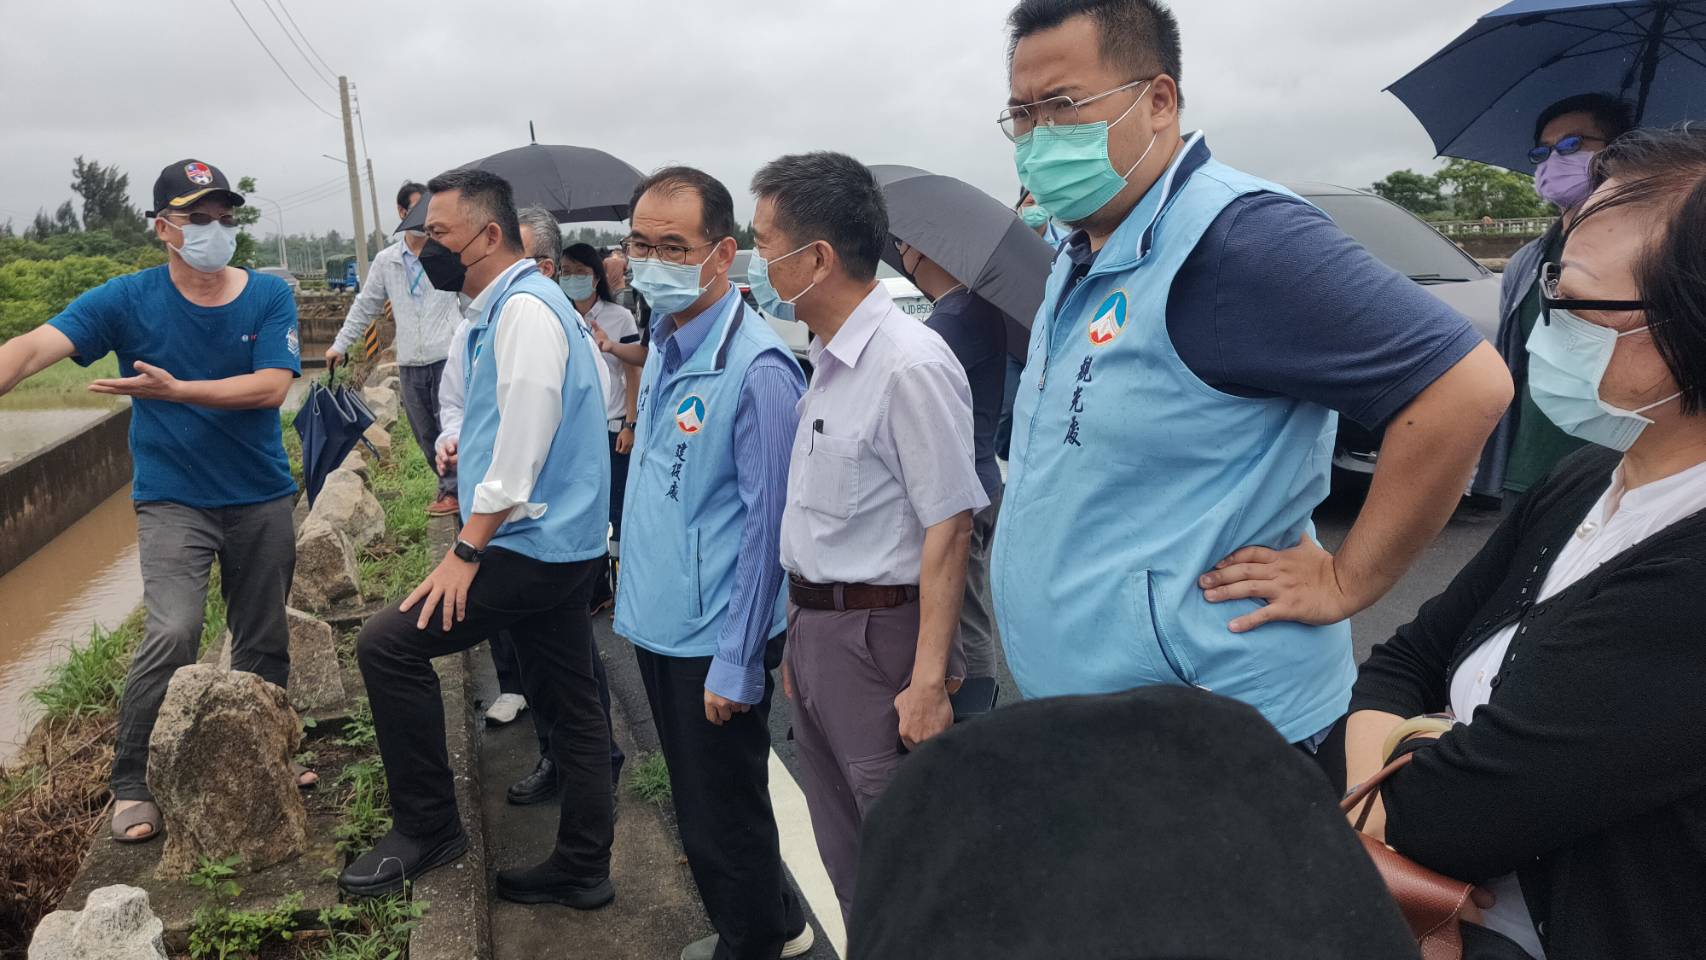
<point x="707" y="948"/>
<point x="505" y="709"/>
<point x="800" y="945"/>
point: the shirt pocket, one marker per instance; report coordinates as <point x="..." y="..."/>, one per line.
<point x="829" y="479"/>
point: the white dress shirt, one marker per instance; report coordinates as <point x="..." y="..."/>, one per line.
<point x="451" y="388"/>
<point x="883" y="450"/>
<point x="425" y="315"/>
<point x="1621" y="519"/>
<point x="531" y="353"/>
<point x="619" y="325"/>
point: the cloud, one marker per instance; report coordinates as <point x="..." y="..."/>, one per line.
<point x="1285" y="88"/>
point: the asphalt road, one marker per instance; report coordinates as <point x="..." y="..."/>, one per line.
<point x="1451" y="550"/>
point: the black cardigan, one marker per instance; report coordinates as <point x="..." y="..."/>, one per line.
<point x="1585" y="773"/>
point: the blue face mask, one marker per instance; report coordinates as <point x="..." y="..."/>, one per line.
<point x="1034" y="216"/>
<point x="578" y="286"/>
<point x="1567" y="359"/>
<point x="668" y="287"/>
<point x="1067" y="169"/>
<point x="758" y="278"/>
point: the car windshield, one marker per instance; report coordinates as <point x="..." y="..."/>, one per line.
<point x="1399" y="240"/>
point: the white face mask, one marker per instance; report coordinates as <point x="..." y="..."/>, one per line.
<point x="207" y="248"/>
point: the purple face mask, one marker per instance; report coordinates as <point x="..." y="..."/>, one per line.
<point x="1565" y="179"/>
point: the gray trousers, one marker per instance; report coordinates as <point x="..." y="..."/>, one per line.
<point x="847" y="666"/>
<point x="420" y="402"/>
<point x="177" y="545"/>
<point x="978" y="633"/>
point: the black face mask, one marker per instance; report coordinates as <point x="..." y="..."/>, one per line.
<point x="444" y="267"/>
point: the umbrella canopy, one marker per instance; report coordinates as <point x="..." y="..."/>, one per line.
<point x="976" y="238"/>
<point x="1480" y="96"/>
<point x="576" y="184"/>
<point x="330" y="424"/>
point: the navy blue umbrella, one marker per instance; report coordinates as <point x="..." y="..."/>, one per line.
<point x="330" y="423"/>
<point x="1479" y="97"/>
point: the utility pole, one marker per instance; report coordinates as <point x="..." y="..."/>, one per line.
<point x="373" y="191"/>
<point x="354" y="184"/>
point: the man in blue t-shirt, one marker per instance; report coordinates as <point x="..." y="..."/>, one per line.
<point x="207" y="353"/>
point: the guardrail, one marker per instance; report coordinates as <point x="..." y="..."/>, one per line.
<point x="1521" y="227"/>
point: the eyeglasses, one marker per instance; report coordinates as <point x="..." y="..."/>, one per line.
<point x="1563" y="148"/>
<point x="201" y="219"/>
<point x="667" y="252"/>
<point x="1018" y="121"/>
<point x="1550" y="301"/>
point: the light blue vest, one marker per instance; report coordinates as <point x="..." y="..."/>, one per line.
<point x="682" y="518"/>
<point x="574" y="482"/>
<point x="1130" y="477"/>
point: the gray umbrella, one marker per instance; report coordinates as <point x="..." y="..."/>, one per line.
<point x="576" y="184"/>
<point x="973" y="236"/>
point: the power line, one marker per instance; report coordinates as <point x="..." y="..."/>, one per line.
<point x="286" y="31"/>
<point x="275" y="62"/>
<point x="309" y="200"/>
<point x="306" y="190"/>
<point x="305" y="40"/>
<point x="359" y="121"/>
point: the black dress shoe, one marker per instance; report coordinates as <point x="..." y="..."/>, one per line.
<point x="398" y="857"/>
<point x="549" y="883"/>
<point x="537" y="787"/>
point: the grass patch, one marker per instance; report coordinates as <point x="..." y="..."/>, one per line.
<point x="65" y="384"/>
<point x="650" y="780"/>
<point x="395" y="564"/>
<point x="381" y="928"/>
<point x="365" y="805"/>
<point x="91" y="680"/>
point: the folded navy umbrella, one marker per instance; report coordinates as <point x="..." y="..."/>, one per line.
<point x="330" y="423"/>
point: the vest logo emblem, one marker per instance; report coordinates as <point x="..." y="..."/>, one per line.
<point x="690" y="415"/>
<point x="1109" y="319"/>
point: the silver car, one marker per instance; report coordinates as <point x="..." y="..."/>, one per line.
<point x="1407" y="244"/>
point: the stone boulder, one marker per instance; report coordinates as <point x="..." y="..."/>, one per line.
<point x="346" y="504"/>
<point x="219" y="765"/>
<point x="316" y="676"/>
<point x="355" y="463"/>
<point x="381" y="372"/>
<point x="380" y="437"/>
<point x="299" y="513"/>
<point x="116" y="923"/>
<point x="384" y="402"/>
<point x="325" y="567"/>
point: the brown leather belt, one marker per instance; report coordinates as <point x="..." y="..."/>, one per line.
<point x="847" y="596"/>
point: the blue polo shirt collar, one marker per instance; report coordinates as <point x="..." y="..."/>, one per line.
<point x="681" y="343"/>
<point x="1131" y="243"/>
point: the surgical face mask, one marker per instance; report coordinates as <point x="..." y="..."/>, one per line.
<point x="578" y="286"/>
<point x="1067" y="168"/>
<point x="1567" y="359"/>
<point x="669" y="287"/>
<point x="1034" y="216"/>
<point x="208" y="247"/>
<point x="758" y="277"/>
<point x="1565" y="179"/>
<point x="444" y="266"/>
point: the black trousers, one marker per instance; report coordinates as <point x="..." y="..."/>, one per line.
<point x="720" y="778"/>
<point x="605" y="589"/>
<point x="510" y="680"/>
<point x="544" y="608"/>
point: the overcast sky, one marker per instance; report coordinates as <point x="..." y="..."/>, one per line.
<point x="1289" y="89"/>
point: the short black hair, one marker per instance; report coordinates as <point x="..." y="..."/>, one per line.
<point x="1665" y="170"/>
<point x="830" y="197"/>
<point x="716" y="207"/>
<point x="488" y="193"/>
<point x="1613" y="115"/>
<point x="1141" y="36"/>
<point x="587" y="256"/>
<point x="408" y="190"/>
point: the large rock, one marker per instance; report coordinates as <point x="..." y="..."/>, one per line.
<point x="325" y="567"/>
<point x="116" y="923"/>
<point x="345" y="503"/>
<point x="219" y="765"/>
<point x="382" y="372"/>
<point x="316" y="677"/>
<point x="384" y="401"/>
<point x="355" y="463"/>
<point x="380" y="438"/>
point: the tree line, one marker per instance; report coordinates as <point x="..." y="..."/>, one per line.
<point x="1465" y="190"/>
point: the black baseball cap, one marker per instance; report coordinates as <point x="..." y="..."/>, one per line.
<point x="187" y="181"/>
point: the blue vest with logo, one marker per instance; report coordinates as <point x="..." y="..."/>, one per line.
<point x="574" y="481"/>
<point x="683" y="515"/>
<point x="1130" y="477"/>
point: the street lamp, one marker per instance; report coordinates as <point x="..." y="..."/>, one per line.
<point x="283" y="251"/>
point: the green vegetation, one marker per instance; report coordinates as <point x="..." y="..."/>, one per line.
<point x="220" y="933"/>
<point x="397" y="563"/>
<point x="65" y="384"/>
<point x="381" y="928"/>
<point x="91" y="679"/>
<point x="1464" y="190"/>
<point x="650" y="780"/>
<point x="365" y="806"/>
<point x="214" y="876"/>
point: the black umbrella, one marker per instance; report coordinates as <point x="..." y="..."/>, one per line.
<point x="577" y="184"/>
<point x="976" y="238"/>
<point x="330" y="423"/>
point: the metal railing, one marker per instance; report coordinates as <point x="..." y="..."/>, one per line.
<point x="1520" y="227"/>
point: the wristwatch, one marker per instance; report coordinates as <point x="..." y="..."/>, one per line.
<point x="467" y="553"/>
<point x="629" y="424"/>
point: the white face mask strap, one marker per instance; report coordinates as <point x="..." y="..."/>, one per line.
<point x="1153" y="137"/>
<point x="1655" y="406"/>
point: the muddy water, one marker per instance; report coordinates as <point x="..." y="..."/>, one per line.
<point x="87" y="575"/>
<point x="23" y="432"/>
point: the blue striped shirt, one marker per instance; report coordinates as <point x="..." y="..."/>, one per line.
<point x="765" y="421"/>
